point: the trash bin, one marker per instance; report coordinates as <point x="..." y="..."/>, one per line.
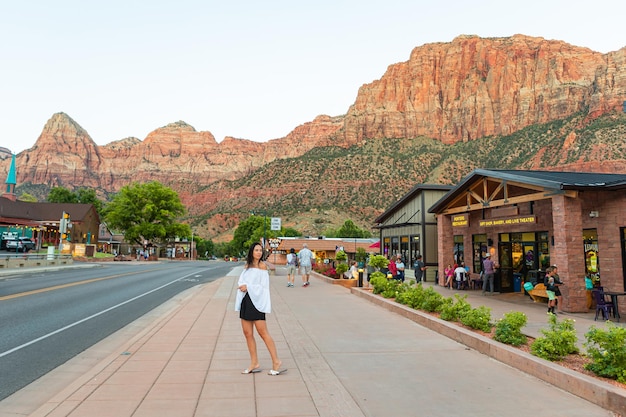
<point x="517" y="282"/>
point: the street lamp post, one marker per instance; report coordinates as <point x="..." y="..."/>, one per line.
<point x="264" y="233"/>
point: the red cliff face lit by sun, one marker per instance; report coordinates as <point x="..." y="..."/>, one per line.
<point x="475" y="87"/>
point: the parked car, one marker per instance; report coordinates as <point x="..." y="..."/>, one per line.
<point x="21" y="244"/>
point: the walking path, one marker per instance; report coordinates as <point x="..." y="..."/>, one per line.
<point x="345" y="356"/>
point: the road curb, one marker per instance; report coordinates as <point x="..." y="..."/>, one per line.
<point x="597" y="392"/>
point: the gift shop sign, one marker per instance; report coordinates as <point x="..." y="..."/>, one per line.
<point x="460" y="220"/>
<point x="513" y="221"/>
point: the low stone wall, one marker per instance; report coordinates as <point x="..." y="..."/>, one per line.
<point x="34" y="260"/>
<point x="348" y="283"/>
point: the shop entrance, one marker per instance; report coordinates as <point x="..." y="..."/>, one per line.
<point x="506" y="270"/>
<point x="526" y="254"/>
<point x="415" y="250"/>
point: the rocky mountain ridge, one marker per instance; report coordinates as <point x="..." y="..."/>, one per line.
<point x="456" y="92"/>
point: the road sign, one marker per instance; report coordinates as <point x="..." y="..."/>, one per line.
<point x="275" y="223"/>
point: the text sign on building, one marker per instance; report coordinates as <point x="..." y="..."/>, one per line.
<point x="513" y="221"/>
<point x="275" y="223"/>
<point x="460" y="220"/>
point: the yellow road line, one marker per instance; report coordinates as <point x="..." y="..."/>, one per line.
<point x="71" y="284"/>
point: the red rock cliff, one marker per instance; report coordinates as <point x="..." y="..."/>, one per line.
<point x="474" y="87"/>
<point x="458" y="91"/>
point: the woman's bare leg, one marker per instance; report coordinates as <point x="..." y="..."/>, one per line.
<point x="248" y="332"/>
<point x="261" y="328"/>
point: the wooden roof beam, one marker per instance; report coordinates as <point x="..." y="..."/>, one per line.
<point x="513" y="200"/>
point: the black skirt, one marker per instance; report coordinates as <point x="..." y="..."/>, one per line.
<point x="248" y="311"/>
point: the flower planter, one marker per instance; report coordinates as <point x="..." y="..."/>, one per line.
<point x="348" y="283"/>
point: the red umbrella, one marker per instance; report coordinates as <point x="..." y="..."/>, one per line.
<point x="375" y="245"/>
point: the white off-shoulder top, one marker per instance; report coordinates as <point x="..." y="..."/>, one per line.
<point x="258" y="283"/>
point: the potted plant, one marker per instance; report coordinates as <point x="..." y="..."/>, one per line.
<point x="360" y="257"/>
<point x="341" y="270"/>
<point x="378" y="262"/>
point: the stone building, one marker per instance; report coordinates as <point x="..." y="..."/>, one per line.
<point x="529" y="220"/>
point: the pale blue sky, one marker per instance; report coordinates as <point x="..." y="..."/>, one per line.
<point x="247" y="69"/>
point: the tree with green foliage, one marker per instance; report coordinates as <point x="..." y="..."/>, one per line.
<point x="88" y="196"/>
<point x="378" y="261"/>
<point x="62" y="195"/>
<point x="252" y="229"/>
<point x="341" y="256"/>
<point x="204" y="246"/>
<point x="348" y="230"/>
<point x="29" y="198"/>
<point x="80" y="196"/>
<point x="147" y="212"/>
<point x="248" y="231"/>
<point x="290" y="232"/>
<point x="360" y="255"/>
<point x="222" y="249"/>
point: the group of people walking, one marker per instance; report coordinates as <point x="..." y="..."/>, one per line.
<point x="302" y="261"/>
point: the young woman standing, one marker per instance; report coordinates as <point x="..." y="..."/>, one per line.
<point x="253" y="302"/>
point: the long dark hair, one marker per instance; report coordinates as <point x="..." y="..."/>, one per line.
<point x="250" y="257"/>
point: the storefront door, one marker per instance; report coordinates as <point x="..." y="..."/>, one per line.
<point x="505" y="283"/>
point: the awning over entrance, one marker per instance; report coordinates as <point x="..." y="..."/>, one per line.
<point x="485" y="188"/>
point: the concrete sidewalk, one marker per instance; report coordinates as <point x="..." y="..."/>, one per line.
<point x="345" y="356"/>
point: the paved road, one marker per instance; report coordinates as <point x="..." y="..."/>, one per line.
<point x="49" y="317"/>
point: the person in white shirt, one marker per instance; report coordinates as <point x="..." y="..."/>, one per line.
<point x="253" y="302"/>
<point x="305" y="257"/>
<point x="400" y="268"/>
<point x="460" y="274"/>
<point x="353" y="272"/>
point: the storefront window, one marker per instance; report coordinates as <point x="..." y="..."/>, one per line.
<point x="415" y="248"/>
<point x="395" y="245"/>
<point x="479" y="243"/>
<point x="458" y="250"/>
<point x="386" y="246"/>
<point x="404" y="248"/>
<point x="592" y="259"/>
